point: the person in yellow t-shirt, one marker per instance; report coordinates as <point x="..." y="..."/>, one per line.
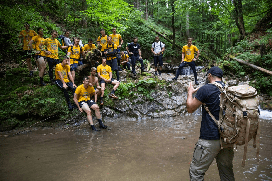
<point x="102" y="41"/>
<point x="82" y="98"/>
<point x="125" y="60"/>
<point x="27" y="35"/>
<point x="105" y="74"/>
<point x="40" y="56"/>
<point x="89" y="47"/>
<point x="74" y="52"/>
<point x="110" y="52"/>
<point x="64" y="80"/>
<point x="117" y="39"/>
<point x="52" y="52"/>
<point x="188" y="52"/>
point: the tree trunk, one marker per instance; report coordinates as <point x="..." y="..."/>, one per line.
<point x="146" y="9"/>
<point x="239" y="20"/>
<point x="187" y="24"/>
<point x="173" y="23"/>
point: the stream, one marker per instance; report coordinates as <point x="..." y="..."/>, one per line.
<point x="132" y="149"/>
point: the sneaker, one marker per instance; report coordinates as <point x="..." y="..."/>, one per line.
<point x="42" y="84"/>
<point x="94" y="129"/>
<point x="174" y="79"/>
<point x="103" y="126"/>
<point x="196" y="82"/>
<point x="156" y="73"/>
<point x="101" y="103"/>
<point x="113" y="96"/>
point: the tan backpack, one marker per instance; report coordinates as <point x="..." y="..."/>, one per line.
<point x="238" y="117"/>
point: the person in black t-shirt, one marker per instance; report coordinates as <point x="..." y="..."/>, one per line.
<point x="134" y="51"/>
<point x="208" y="146"/>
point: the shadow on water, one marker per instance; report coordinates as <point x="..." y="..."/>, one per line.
<point x="133" y="149"/>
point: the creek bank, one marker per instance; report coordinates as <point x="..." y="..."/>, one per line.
<point x="168" y="100"/>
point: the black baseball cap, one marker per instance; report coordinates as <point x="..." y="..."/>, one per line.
<point x="216" y="71"/>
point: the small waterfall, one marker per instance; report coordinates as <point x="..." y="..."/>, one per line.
<point x="265" y="114"/>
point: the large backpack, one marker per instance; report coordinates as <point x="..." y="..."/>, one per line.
<point x="238" y="117"/>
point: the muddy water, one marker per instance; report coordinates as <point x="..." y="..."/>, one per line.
<point x="134" y="150"/>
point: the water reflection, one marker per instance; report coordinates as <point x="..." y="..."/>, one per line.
<point x="133" y="149"/>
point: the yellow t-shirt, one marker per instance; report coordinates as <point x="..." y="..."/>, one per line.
<point x="109" y="48"/>
<point x="52" y="46"/>
<point x="116" y="39"/>
<point x="104" y="71"/>
<point x="103" y="41"/>
<point x="64" y="72"/>
<point x="88" y="47"/>
<point x="75" y="55"/>
<point x="189" y="52"/>
<point x="124" y="57"/>
<point x="27" y="36"/>
<point x="37" y="41"/>
<point x="84" y="94"/>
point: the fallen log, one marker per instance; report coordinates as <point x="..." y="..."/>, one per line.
<point x="169" y="40"/>
<point x="251" y="65"/>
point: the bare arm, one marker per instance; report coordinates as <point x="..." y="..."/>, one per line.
<point x="140" y="53"/>
<point x="182" y="57"/>
<point x="76" y="97"/>
<point x="192" y="103"/>
<point x="71" y="79"/>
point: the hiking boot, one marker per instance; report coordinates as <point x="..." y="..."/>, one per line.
<point x="94" y="129"/>
<point x="101" y="125"/>
<point x="196" y="82"/>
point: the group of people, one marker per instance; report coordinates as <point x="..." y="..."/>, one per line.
<point x="208" y="146"/>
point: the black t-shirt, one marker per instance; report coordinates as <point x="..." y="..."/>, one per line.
<point x="134" y="48"/>
<point x="210" y="95"/>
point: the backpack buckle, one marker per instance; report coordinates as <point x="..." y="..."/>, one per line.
<point x="244" y="114"/>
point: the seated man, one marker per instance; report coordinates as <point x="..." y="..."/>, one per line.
<point x="94" y="81"/>
<point x="62" y="72"/>
<point x="125" y="60"/>
<point x="82" y="99"/>
<point x="88" y="50"/>
<point x="105" y="75"/>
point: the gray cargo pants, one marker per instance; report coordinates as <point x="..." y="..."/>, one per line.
<point x="204" y="154"/>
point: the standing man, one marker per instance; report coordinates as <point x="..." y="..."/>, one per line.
<point x="110" y="52"/>
<point x="188" y="52"/>
<point x="102" y="41"/>
<point x="82" y="99"/>
<point x="157" y="49"/>
<point x="74" y="53"/>
<point x="94" y="81"/>
<point x="40" y="56"/>
<point x="134" y="51"/>
<point x="117" y="39"/>
<point x="52" y="52"/>
<point x="105" y="75"/>
<point x="27" y="35"/>
<point x="208" y="146"/>
<point x="64" y="80"/>
<point x="67" y="40"/>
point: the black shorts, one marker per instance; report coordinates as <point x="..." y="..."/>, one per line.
<point x="89" y="102"/>
<point x="102" y="81"/>
<point x="27" y="53"/>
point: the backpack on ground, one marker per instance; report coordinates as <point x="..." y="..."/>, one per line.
<point x="238" y="117"/>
